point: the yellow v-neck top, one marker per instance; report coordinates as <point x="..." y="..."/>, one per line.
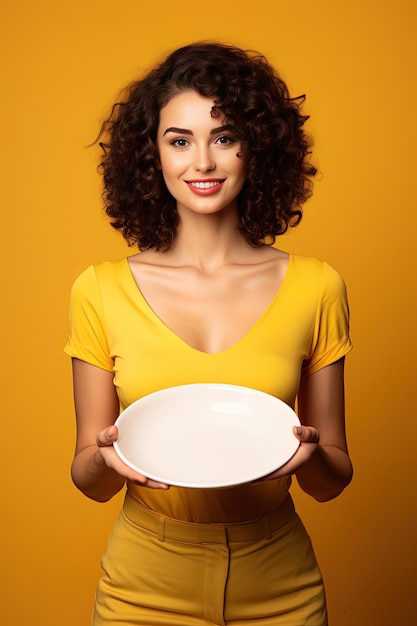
<point x="305" y="328"/>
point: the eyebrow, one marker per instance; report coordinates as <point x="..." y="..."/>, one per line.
<point x="185" y="131"/>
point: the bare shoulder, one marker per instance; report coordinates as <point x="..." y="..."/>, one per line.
<point x="269" y="253"/>
<point x="149" y="257"/>
<point x="268" y="259"/>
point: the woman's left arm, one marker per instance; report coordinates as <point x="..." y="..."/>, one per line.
<point x="321" y="409"/>
<point x="321" y="464"/>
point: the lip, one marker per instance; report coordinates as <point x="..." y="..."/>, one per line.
<point x="198" y="186"/>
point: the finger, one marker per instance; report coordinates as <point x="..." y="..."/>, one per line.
<point x="152" y="484"/>
<point x="307" y="433"/>
<point x="106" y="437"/>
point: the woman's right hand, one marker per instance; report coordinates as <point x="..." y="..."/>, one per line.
<point x="106" y="452"/>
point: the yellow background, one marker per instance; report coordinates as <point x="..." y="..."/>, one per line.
<point x="63" y="62"/>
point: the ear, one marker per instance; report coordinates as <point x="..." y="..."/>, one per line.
<point x="158" y="163"/>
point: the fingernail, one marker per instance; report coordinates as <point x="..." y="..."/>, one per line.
<point x="299" y="430"/>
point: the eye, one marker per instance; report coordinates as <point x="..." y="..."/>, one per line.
<point x="180" y="142"/>
<point x="225" y="140"/>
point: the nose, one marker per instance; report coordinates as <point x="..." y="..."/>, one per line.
<point x="203" y="160"/>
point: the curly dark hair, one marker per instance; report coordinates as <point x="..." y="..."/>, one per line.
<point x="253" y="99"/>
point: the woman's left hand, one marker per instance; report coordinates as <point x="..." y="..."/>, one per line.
<point x="309" y="440"/>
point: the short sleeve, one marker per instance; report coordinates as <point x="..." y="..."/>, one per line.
<point x="87" y="338"/>
<point x="331" y="340"/>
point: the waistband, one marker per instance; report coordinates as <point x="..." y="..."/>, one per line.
<point x="189" y="532"/>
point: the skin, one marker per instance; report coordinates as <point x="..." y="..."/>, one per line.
<point x="221" y="286"/>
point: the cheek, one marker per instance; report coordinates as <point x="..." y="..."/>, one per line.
<point x="235" y="164"/>
<point x="171" y="165"/>
<point x="240" y="168"/>
<point x="170" y="175"/>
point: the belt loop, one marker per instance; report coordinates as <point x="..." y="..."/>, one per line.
<point x="267" y="528"/>
<point x="161" y="529"/>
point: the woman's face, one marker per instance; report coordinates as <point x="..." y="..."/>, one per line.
<point x="197" y="154"/>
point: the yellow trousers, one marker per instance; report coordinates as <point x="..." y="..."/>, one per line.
<point x="161" y="572"/>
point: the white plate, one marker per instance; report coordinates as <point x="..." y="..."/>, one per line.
<point x="206" y="435"/>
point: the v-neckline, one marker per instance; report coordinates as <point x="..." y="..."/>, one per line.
<point x="136" y="290"/>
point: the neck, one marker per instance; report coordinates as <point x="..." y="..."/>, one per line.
<point x="208" y="242"/>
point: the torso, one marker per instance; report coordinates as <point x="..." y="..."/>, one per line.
<point x="210" y="311"/>
<point x="296" y="327"/>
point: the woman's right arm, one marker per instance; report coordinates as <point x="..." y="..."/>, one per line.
<point x="96" y="470"/>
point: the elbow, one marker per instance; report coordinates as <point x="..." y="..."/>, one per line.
<point x="328" y="495"/>
<point x="334" y="490"/>
<point x="98" y="498"/>
<point x="93" y="494"/>
<point x="99" y="492"/>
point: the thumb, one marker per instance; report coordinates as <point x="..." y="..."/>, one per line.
<point x="106" y="437"/>
<point x="306" y="433"/>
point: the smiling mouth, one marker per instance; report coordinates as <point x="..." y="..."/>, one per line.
<point x="205" y="184"/>
<point x="206" y="187"/>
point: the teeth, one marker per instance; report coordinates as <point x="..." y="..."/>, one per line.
<point x="205" y="185"/>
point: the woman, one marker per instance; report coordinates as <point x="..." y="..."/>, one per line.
<point x="205" y="162"/>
